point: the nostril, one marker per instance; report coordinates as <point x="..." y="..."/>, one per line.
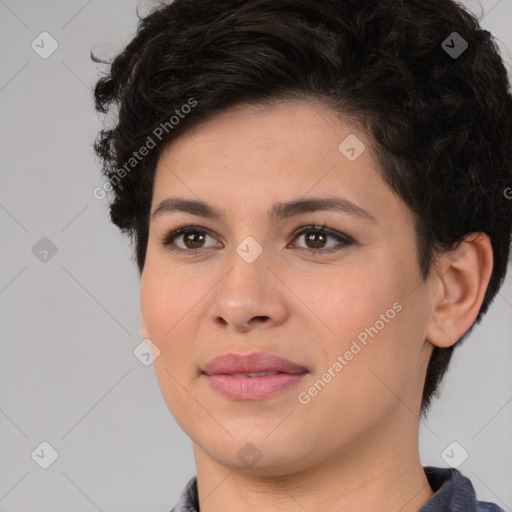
<point x="261" y="318"/>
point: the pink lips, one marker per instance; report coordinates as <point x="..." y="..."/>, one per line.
<point x="279" y="374"/>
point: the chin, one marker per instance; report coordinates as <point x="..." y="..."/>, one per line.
<point x="257" y="452"/>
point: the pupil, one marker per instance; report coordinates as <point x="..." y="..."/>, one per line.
<point x="191" y="236"/>
<point x="312" y="236"/>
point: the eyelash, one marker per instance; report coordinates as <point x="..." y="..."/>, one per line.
<point x="185" y="229"/>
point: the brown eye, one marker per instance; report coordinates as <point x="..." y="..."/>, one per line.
<point x="316" y="237"/>
<point x="191" y="238"/>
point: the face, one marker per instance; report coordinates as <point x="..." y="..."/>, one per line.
<point x="344" y="303"/>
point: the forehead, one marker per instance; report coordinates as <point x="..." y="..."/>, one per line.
<point x="252" y="156"/>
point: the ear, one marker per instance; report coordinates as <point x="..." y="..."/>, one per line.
<point x="460" y="283"/>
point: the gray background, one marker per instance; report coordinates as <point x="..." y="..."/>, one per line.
<point x="69" y="325"/>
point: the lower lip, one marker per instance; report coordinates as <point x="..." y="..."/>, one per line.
<point x="252" y="388"/>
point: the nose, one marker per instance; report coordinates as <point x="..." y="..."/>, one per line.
<point x="249" y="296"/>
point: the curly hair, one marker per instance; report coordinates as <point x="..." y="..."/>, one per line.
<point x="440" y="123"/>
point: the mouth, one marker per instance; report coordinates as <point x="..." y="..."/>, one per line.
<point x="252" y="376"/>
<point x="251" y="364"/>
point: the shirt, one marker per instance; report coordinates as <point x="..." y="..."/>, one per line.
<point x="453" y="493"/>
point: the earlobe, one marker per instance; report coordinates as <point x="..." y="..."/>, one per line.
<point x="461" y="282"/>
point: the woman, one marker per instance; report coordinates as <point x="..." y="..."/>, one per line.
<point x="317" y="192"/>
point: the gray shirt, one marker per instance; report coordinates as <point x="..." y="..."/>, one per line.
<point x="453" y="493"/>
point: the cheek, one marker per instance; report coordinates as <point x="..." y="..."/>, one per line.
<point x="161" y="311"/>
<point x="166" y="298"/>
<point x="347" y="299"/>
<point x="366" y="318"/>
<point x="164" y="304"/>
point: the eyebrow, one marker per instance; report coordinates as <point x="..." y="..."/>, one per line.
<point x="277" y="212"/>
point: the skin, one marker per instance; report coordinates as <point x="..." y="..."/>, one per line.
<point x="354" y="446"/>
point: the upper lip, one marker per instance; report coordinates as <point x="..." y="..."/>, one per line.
<point x="248" y="363"/>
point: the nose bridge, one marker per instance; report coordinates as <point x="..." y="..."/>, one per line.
<point x="247" y="273"/>
<point x="249" y="292"/>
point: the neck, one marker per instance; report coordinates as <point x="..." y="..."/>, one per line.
<point x="376" y="474"/>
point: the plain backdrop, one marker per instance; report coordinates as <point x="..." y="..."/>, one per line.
<point x="69" y="300"/>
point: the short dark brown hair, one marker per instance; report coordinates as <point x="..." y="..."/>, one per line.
<point x="440" y="123"/>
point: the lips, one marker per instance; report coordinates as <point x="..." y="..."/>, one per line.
<point x="249" y="365"/>
<point x="256" y="376"/>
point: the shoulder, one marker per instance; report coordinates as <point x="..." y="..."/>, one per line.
<point x="187" y="500"/>
<point x="454" y="492"/>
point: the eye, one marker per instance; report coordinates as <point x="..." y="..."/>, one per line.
<point x="191" y="239"/>
<point x="316" y="237"/>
